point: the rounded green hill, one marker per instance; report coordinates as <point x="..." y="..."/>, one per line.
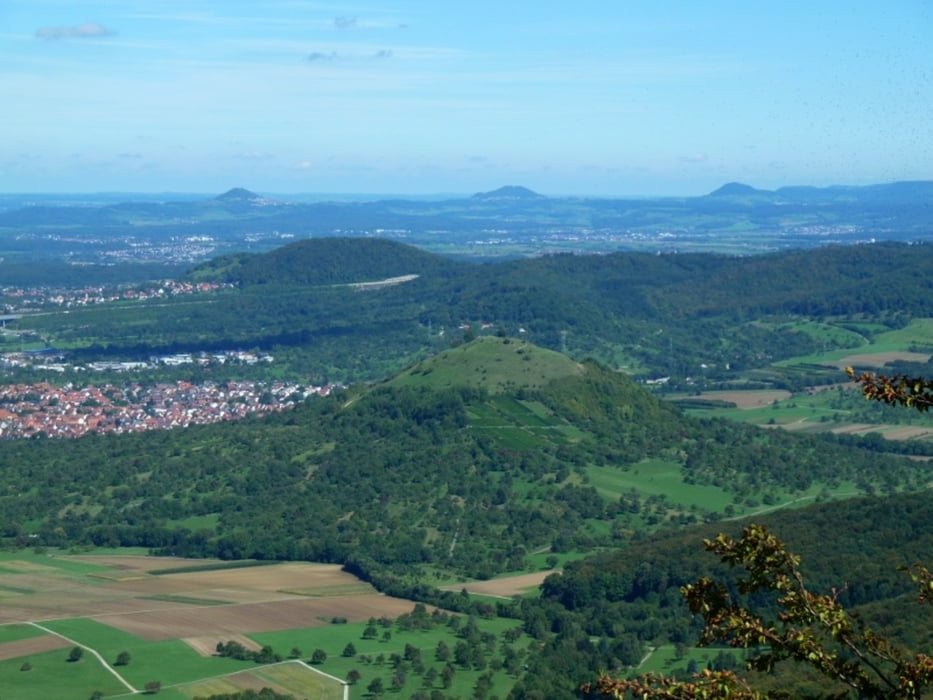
<point x="491" y="363"/>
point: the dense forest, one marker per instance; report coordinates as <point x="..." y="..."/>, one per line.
<point x="399" y="476"/>
<point x="703" y="316"/>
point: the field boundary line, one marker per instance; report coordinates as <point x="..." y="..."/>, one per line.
<point x="93" y="651"/>
<point x="346" y="686"/>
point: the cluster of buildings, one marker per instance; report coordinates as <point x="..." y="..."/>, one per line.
<point x="26" y="299"/>
<point x="30" y="410"/>
<point x="51" y="360"/>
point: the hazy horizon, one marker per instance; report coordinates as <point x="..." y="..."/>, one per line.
<point x="413" y="97"/>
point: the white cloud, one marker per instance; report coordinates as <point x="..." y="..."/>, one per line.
<point x="80" y="31"/>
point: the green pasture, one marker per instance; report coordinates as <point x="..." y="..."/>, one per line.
<point x="657" y="476"/>
<point x="917" y="332"/>
<point x="53" y="676"/>
<point x="664" y="659"/>
<point x="45" y="564"/>
<point x="170" y="661"/>
<point x="16" y="631"/>
<point x="829" y="333"/>
<point x="482" y="363"/>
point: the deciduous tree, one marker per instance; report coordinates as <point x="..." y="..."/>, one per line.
<point x="811" y="628"/>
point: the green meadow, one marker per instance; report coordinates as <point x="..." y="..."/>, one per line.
<point x="657" y="477"/>
<point x="170" y="661"/>
<point x="52" y="676"/>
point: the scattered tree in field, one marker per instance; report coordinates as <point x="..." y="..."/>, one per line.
<point x="75" y="654"/>
<point x="295" y="653"/>
<point x="376" y="686"/>
<point x="387" y="636"/>
<point x="398" y="680"/>
<point x="318" y="656"/>
<point x="447" y="676"/>
<point x="369" y="632"/>
<point x="811" y="628"/>
<point x="349" y="650"/>
<point x="97" y="695"/>
<point x="26" y="666"/>
<point x="153" y="687"/>
<point x="123" y="658"/>
<point x="353" y="676"/>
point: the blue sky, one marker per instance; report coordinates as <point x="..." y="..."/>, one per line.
<point x="608" y="97"/>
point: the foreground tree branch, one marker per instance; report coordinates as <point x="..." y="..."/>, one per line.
<point x="811" y="628"/>
<point x="897" y="389"/>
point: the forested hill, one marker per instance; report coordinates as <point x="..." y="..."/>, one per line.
<point x="631" y="597"/>
<point x="326" y="261"/>
<point x="463" y="475"/>
<point x="681" y="315"/>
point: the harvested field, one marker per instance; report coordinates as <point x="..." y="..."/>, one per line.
<point x="247" y="680"/>
<point x="743" y="399"/>
<point x="270" y="578"/>
<point x="142" y="564"/>
<point x="858" y="429"/>
<point x="33" y="645"/>
<point x="207" y="646"/>
<point x="506" y="587"/>
<point x="299" y="680"/>
<point x="909" y="432"/>
<point x="880" y="359"/>
<point x="253" y="617"/>
<point x="234" y="683"/>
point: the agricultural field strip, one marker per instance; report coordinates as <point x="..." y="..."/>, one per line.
<point x="223" y="676"/>
<point x="93" y="651"/>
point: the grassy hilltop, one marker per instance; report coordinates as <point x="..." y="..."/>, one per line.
<point x="493" y="364"/>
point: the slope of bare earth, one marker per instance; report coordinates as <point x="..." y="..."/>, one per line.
<point x="744" y="399"/>
<point x="880" y="359"/>
<point x="505" y="587"/>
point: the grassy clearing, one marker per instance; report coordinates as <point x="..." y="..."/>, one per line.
<point x="171" y="662"/>
<point x="829" y="333"/>
<point x="664" y="659"/>
<point x="657" y="476"/>
<point x="52" y="676"/>
<point x="483" y="364"/>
